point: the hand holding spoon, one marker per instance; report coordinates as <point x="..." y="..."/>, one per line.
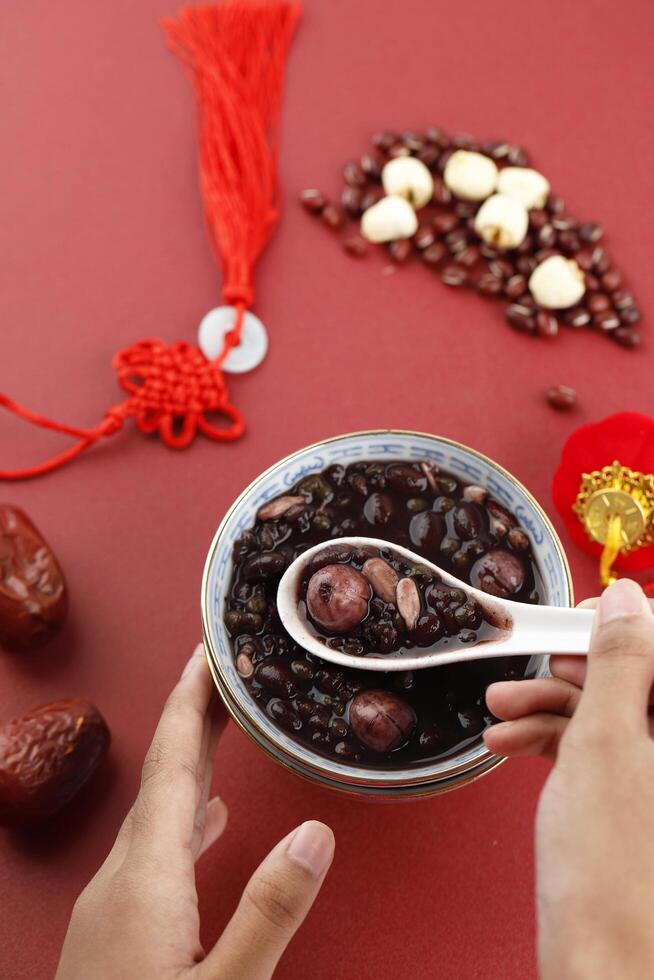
<point x="517" y="629"/>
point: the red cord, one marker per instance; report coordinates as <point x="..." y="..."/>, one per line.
<point x="172" y="390"/>
<point x="235" y="52"/>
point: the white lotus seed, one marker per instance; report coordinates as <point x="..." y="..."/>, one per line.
<point x="471" y="176"/>
<point x="388" y="220"/>
<point x="526" y="185"/>
<point x="408" y="177"/>
<point x="557" y="283"/>
<point x="502" y="221"/>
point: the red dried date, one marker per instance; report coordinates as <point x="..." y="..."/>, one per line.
<point x="33" y="595"/>
<point x="46" y="756"/>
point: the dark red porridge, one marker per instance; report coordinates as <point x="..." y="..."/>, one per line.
<point x="373" y="718"/>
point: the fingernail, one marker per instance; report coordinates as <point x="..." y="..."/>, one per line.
<point x="623" y="597"/>
<point x="312" y="846"/>
<point x="195" y="656"/>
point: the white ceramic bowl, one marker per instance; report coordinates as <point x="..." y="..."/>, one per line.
<point x="463" y="462"/>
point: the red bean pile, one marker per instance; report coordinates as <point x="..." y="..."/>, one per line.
<point x="447" y="243"/>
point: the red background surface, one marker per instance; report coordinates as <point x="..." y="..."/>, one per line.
<point x="102" y="242"/>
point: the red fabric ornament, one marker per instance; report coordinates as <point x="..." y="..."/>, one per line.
<point x="235" y="52"/>
<point x="627" y="437"/>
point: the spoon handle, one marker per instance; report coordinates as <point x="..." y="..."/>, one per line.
<point x="549" y="629"/>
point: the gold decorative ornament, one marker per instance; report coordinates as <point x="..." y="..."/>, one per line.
<point x="616" y="507"/>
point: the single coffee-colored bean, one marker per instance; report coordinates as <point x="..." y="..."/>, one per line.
<point x="608" y="320"/>
<point x="332" y="215"/>
<point x="517" y="539"/>
<point x="612" y="280"/>
<point x="378" y="508"/>
<point x="424" y="237"/>
<point x="630" y="316"/>
<point x="285" y="715"/>
<point x="454" y="275"/>
<point x="590" y="233"/>
<point x="561" y="397"/>
<point x="576" y="316"/>
<point x="427" y="531"/>
<point x="515" y="286"/>
<point x="351" y="201"/>
<point x="400" y="250"/>
<point x="622" y="299"/>
<point x="489" y="285"/>
<point x="313" y="200"/>
<point x="598" y="303"/>
<point x="433" y="254"/>
<point x="274" y="675"/>
<point x="520" y="318"/>
<point x="625" y="336"/>
<point x="546" y="324"/>
<point x="468" y="521"/>
<point x="356" y="245"/>
<point x="500" y="573"/>
<point x="371" y="166"/>
<point x="353" y="174"/>
<point x="265" y="566"/>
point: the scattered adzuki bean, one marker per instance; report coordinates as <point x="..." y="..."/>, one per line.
<point x="454" y="275"/>
<point x="424" y="237"/>
<point x="446" y="232"/>
<point x="355" y="245"/>
<point x="332" y="215"/>
<point x="631" y="315"/>
<point x="625" y="336"/>
<point x="607" y="320"/>
<point x="521" y="319"/>
<point x="354" y="174"/>
<point x="433" y="253"/>
<point x="561" y="397"/>
<point x="351" y="201"/>
<point x="313" y="200"/>
<point x="546" y="324"/>
<point x="400" y="250"/>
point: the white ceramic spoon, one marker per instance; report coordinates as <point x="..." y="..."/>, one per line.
<point x="524" y="629"/>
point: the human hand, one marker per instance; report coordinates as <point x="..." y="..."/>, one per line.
<point x="594" y="846"/>
<point x="138" y="918"/>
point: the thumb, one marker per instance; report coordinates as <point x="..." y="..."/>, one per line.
<point x="275" y="902"/>
<point x="620" y="661"/>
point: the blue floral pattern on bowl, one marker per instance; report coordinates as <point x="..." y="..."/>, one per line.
<point x="462" y="462"/>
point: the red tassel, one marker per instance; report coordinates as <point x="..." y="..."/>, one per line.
<point x="235" y="53"/>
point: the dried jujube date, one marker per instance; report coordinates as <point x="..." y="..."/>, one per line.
<point x="46" y="756"/>
<point x="33" y="595"/>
